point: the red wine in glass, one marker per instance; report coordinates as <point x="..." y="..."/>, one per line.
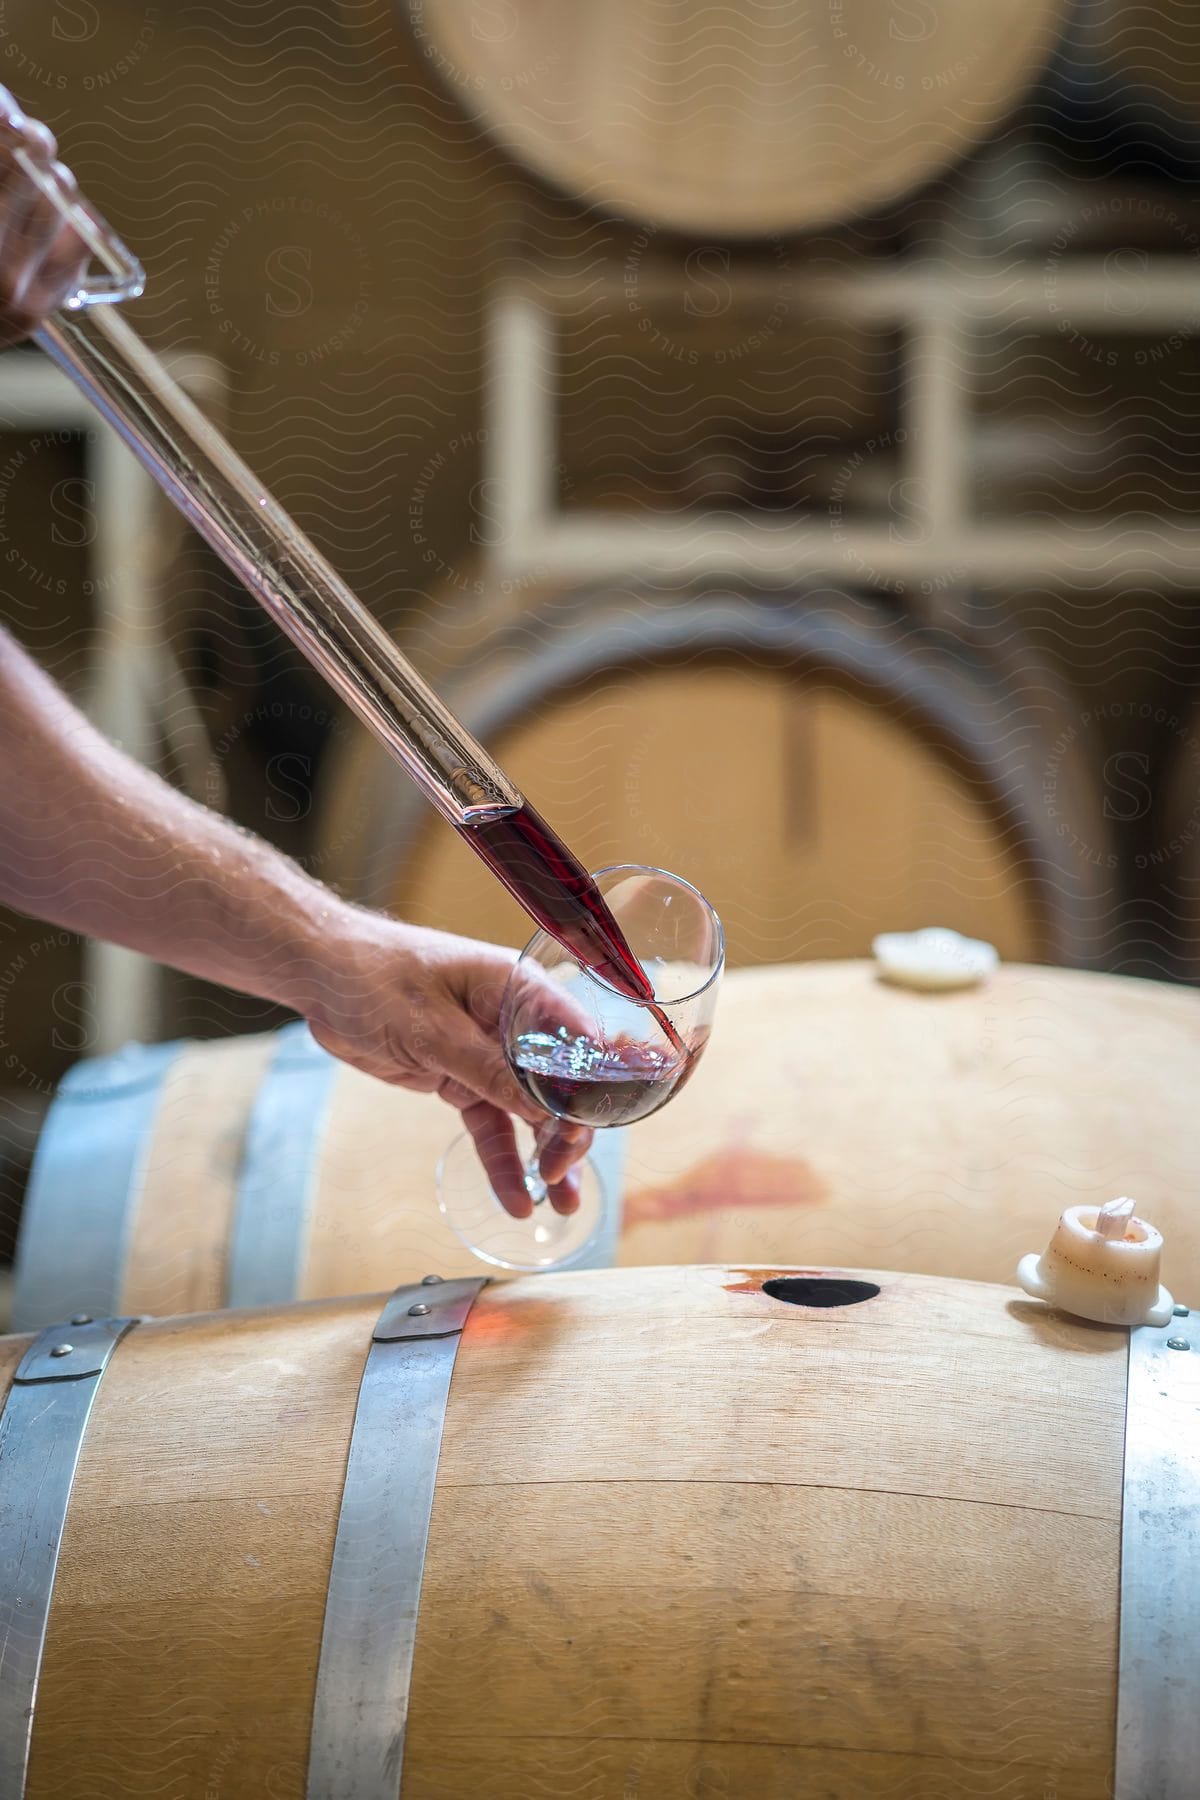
<point x="555" y="889"/>
<point x="594" y="1083"/>
<point x="582" y="1050"/>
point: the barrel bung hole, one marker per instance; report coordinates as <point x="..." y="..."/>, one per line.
<point x="819" y="1290"/>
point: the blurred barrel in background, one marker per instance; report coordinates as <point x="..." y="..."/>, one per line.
<point x="821" y="767"/>
<point x="742" y="121"/>
<point x="832" y="1118"/>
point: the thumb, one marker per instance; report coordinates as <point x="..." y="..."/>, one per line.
<point x="476" y="1061"/>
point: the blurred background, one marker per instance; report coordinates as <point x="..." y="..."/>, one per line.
<point x="776" y="427"/>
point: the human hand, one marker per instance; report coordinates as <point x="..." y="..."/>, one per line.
<point x="421" y="1009"/>
<point x="41" y="258"/>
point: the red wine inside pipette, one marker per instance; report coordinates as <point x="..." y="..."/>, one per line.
<point x="554" y="888"/>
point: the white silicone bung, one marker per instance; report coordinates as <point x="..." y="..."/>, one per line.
<point x="935" y="959"/>
<point x="1102" y="1263"/>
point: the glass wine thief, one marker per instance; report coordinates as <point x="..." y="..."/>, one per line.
<point x="251" y="533"/>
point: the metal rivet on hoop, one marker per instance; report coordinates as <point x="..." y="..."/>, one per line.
<point x="62" y="1349"/>
<point x="430" y="1280"/>
<point x="419" y="1311"/>
<point x="1178" y="1344"/>
<point x="81" y="1318"/>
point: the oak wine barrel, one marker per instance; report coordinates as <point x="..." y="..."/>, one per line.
<point x="662" y="1532"/>
<point x="832" y="1118"/>
<point x="821" y="767"/>
<point x="738" y="121"/>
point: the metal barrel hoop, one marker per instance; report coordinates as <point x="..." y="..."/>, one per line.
<point x="361" y="1706"/>
<point x="1158" y="1682"/>
<point x="280" y="1165"/>
<point x="42" y="1429"/>
<point x="94" y="1143"/>
<point x="369" y="1632"/>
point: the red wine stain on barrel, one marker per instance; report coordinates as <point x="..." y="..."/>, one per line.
<point x="725" y="1181"/>
<point x="751" y="1280"/>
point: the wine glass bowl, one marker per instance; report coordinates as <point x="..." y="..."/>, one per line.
<point x="587" y="1052"/>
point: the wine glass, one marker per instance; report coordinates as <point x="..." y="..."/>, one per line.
<point x="588" y="1053"/>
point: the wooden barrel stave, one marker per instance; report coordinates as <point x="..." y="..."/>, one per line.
<point x="235" y="1522"/>
<point x="178" y="1253"/>
<point x="756" y="121"/>
<point x="839" y="1118"/>
<point x="832" y="1117"/>
<point x="823" y="768"/>
<point x="873" y="1544"/>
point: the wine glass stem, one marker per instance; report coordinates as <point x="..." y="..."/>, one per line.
<point x="535" y="1187"/>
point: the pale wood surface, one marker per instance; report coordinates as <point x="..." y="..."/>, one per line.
<point x="683" y="1534"/>
<point x="746" y="119"/>
<point x="192" y="1577"/>
<point x="839" y="1119"/>
<point x="847" y="1547"/>
<point x="375" y="1216"/>
<point x="811" y="818"/>
<point x="184" y="1209"/>
<point x="832" y="1117"/>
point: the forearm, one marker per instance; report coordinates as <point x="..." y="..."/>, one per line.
<point x="92" y="841"/>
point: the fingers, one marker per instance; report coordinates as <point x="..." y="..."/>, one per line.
<point x="41" y="257"/>
<point x="52" y="264"/>
<point x="492" y="1131"/>
<point x="564" y="1195"/>
<point x="495" y="1140"/>
<point x="58" y="274"/>
<point x="31" y="132"/>
<point x="476" y="1061"/>
<point x="566" y="1145"/>
<point x="479" y="1071"/>
<point x="535" y="1001"/>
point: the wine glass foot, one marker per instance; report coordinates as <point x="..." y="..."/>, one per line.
<point x="545" y="1240"/>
